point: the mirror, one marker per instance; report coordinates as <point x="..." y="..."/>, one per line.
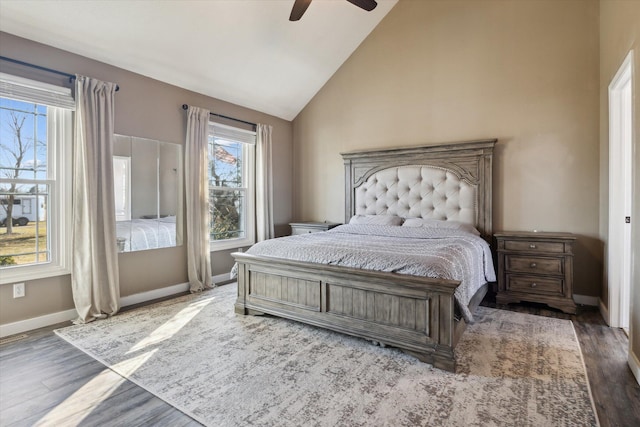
<point x="147" y="178"/>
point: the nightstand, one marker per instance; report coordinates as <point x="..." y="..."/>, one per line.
<point x="536" y="267"/>
<point x="311" y="227"/>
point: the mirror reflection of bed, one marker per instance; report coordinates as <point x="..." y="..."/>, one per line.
<point x="148" y="196"/>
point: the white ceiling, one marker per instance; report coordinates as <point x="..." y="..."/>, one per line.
<point x="242" y="51"/>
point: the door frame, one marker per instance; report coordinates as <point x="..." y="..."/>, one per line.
<point x="619" y="254"/>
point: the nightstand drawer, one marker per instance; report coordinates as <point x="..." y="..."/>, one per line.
<point x="311" y="227"/>
<point x="533" y="246"/>
<point x="535" y="285"/>
<point x="529" y="264"/>
<point x="305" y="230"/>
<point x="535" y="267"/>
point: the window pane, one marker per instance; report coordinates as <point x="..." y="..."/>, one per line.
<point x="227" y="211"/>
<point x="225" y="163"/>
<point x="23" y="206"/>
<point x="23" y="140"/>
<point x="28" y="241"/>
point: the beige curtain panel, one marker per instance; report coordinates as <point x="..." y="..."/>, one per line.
<point x="197" y="198"/>
<point x="94" y="277"/>
<point x="264" y="184"/>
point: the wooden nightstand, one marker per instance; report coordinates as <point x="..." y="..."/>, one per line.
<point x="536" y="267"/>
<point x="311" y="227"/>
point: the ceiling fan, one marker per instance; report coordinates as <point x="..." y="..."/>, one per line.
<point x="300" y="6"/>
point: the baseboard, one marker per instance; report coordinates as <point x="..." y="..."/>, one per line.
<point x="68" y="315"/>
<point x="37" y="322"/>
<point x="604" y="312"/>
<point x="586" y="300"/>
<point x="634" y="364"/>
<point x="154" y="294"/>
<point x="221" y="279"/>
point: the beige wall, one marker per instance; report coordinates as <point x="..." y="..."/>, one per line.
<point x="525" y="72"/>
<point x="619" y="33"/>
<point x="150" y="109"/>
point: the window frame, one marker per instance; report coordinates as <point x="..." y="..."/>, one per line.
<point x="59" y="133"/>
<point x="249" y="184"/>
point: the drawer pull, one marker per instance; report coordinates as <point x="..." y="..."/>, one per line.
<point x="533" y="285"/>
<point x="532" y="246"/>
<point x="533" y="265"/>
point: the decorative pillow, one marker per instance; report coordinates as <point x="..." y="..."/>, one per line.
<point x="436" y="223"/>
<point x="376" y="220"/>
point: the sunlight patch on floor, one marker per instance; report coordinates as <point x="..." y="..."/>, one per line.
<point x="74" y="409"/>
<point x="172" y="326"/>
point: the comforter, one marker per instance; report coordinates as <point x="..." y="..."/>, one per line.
<point x="429" y="252"/>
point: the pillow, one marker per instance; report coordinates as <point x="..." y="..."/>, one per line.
<point x="436" y="223"/>
<point x="376" y="220"/>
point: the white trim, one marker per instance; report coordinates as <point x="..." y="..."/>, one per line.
<point x="619" y="248"/>
<point x="69" y="315"/>
<point x="153" y="294"/>
<point x="37" y="322"/>
<point x="225" y="245"/>
<point x="59" y="136"/>
<point x="23" y="273"/>
<point x="219" y="279"/>
<point x="604" y="312"/>
<point x="634" y="364"/>
<point x="249" y="213"/>
<point x="586" y="300"/>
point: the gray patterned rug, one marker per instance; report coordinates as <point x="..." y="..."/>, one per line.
<point x="224" y="369"/>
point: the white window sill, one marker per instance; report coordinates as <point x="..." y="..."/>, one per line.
<point x="230" y="244"/>
<point x="34" y="272"/>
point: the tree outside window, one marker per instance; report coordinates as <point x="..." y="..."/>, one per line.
<point x="231" y="187"/>
<point x="23" y="183"/>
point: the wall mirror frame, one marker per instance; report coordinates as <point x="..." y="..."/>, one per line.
<point x="148" y="182"/>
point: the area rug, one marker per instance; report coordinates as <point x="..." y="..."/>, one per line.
<point x="224" y="369"/>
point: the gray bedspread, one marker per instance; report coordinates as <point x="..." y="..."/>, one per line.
<point x="429" y="252"/>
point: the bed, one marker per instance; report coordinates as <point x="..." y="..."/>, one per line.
<point x="398" y="304"/>
<point x="146" y="233"/>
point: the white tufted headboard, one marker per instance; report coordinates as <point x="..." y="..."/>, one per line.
<point x="446" y="182"/>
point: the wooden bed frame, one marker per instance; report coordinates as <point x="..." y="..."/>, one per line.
<point x="415" y="314"/>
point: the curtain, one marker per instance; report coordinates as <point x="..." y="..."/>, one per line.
<point x="197" y="199"/>
<point x="264" y="184"/>
<point x="94" y="276"/>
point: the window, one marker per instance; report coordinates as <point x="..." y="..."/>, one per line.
<point x="35" y="167"/>
<point x="231" y="186"/>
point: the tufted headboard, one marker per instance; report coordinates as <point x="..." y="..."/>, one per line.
<point x="446" y="182"/>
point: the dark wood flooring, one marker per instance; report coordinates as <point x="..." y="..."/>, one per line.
<point x="46" y="381"/>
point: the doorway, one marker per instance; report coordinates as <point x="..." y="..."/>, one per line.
<point x="620" y="194"/>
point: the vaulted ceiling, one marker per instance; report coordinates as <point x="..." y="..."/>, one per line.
<point x="245" y="52"/>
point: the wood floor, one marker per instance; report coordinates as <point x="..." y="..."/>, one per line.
<point x="45" y="381"/>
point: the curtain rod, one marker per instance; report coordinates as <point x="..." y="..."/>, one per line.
<point x="41" y="68"/>
<point x="186" y="107"/>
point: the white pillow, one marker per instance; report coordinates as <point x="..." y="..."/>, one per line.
<point x="376" y="220"/>
<point x="436" y="223"/>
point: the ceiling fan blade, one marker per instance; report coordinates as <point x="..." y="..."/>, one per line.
<point x="367" y="5"/>
<point x="299" y="7"/>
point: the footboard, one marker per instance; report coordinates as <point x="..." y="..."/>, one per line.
<point x="412" y="313"/>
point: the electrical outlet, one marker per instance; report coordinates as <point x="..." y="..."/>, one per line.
<point x="18" y="290"/>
